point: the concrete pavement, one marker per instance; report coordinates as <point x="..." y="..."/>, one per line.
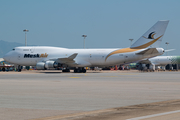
<point x="32" y="95"/>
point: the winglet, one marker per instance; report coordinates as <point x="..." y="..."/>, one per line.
<point x="73" y="56"/>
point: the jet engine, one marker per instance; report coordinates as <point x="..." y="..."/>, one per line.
<point x="40" y="66"/>
<point x="152" y="67"/>
<point x="160" y="50"/>
<point x="46" y="65"/>
<point x="51" y="64"/>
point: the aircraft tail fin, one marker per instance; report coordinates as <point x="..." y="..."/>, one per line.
<point x="153" y="37"/>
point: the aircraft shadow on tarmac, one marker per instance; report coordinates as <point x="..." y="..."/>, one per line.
<point x="51" y="72"/>
<point x="65" y="72"/>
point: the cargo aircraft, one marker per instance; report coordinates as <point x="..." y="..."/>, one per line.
<point x="44" y="57"/>
<point x="159" y="61"/>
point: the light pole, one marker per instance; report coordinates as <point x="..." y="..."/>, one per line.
<point x="167" y="47"/>
<point x="25" y="30"/>
<point x="84" y="39"/>
<point x="131" y="41"/>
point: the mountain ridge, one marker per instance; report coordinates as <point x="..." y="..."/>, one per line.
<point x="5" y="47"/>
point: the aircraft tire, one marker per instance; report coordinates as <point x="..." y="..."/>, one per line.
<point x="19" y="68"/>
<point x="75" y="70"/>
<point x="66" y="70"/>
<point x="84" y="70"/>
<point x="3" y="69"/>
<point x="78" y="71"/>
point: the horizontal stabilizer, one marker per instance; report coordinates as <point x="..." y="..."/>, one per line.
<point x="148" y="51"/>
<point x="169" y="50"/>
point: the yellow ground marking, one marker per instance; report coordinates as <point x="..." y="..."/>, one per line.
<point x="74" y="77"/>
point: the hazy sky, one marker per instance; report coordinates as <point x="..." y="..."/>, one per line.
<point x="107" y="23"/>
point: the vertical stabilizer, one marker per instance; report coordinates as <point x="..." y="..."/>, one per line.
<point x="153" y="37"/>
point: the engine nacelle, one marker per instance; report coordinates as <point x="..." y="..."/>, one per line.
<point x="152" y="67"/>
<point x="40" y="66"/>
<point x="46" y="65"/>
<point x="160" y="50"/>
<point x="50" y="64"/>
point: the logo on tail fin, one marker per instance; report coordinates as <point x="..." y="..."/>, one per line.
<point x="151" y="35"/>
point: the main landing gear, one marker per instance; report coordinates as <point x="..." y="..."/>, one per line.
<point x="79" y="70"/>
<point x="66" y="70"/>
<point x="19" y="68"/>
<point x="3" y="69"/>
<point x="76" y="70"/>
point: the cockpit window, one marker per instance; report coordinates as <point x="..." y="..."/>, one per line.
<point x="13" y="49"/>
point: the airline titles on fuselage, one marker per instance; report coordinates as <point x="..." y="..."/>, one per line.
<point x="35" y="55"/>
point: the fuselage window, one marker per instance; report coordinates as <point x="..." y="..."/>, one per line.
<point x="13" y="49"/>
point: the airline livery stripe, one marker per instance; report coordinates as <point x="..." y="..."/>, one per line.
<point x="147" y="44"/>
<point x="124" y="50"/>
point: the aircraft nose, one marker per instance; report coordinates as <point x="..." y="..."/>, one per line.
<point x="6" y="57"/>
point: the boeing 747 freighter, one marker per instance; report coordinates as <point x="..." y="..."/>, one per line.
<point x="44" y="57"/>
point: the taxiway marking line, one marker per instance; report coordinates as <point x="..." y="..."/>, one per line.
<point x="154" y="115"/>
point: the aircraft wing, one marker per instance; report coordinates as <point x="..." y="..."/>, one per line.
<point x="145" y="61"/>
<point x="71" y="62"/>
<point x="148" y="51"/>
<point x="69" y="59"/>
<point x="148" y="61"/>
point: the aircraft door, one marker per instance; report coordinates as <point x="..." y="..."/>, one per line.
<point x="121" y="57"/>
<point x="19" y="56"/>
<point x="32" y="49"/>
<point x="129" y="57"/>
<point x="97" y="58"/>
<point x="125" y="58"/>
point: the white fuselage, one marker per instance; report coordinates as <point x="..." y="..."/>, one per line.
<point x="164" y="60"/>
<point x="30" y="56"/>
